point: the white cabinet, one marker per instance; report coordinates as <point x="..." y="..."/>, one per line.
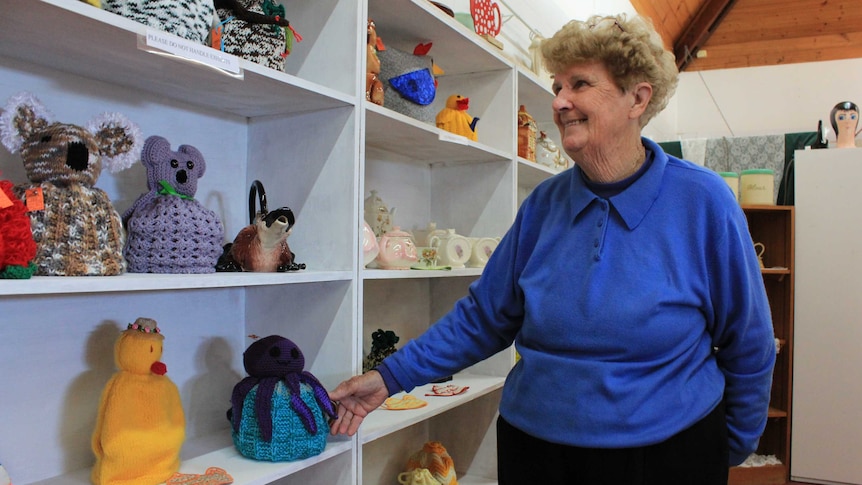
<point x="827" y="421"/>
<point x="319" y="148"/>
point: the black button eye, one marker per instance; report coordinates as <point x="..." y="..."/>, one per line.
<point x="275" y="352"/>
<point x="294" y="353"/>
<point x="175" y="164"/>
<point x="46" y="139"/>
<point x="190" y="165"/>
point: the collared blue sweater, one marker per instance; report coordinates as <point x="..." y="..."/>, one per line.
<point x="634" y="315"/>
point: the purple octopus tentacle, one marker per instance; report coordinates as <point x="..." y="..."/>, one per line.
<point x="320" y="394"/>
<point x="263" y="406"/>
<point x="240" y="391"/>
<point x="298" y="405"/>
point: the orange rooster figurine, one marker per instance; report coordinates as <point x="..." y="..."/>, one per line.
<point x="454" y="117"/>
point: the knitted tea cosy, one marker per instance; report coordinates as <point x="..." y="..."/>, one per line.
<point x="436" y="459"/>
<point x="17" y="248"/>
<point x="140" y="426"/>
<point x="277" y="412"/>
<point x="168" y="230"/>
<point x="76" y="228"/>
<point x="189" y="19"/>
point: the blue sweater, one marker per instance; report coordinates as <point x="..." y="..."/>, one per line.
<point x="634" y="315"/>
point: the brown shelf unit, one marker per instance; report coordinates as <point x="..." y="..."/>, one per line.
<point x="774" y="227"/>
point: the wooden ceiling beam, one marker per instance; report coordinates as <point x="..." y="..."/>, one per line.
<point x="704" y="23"/>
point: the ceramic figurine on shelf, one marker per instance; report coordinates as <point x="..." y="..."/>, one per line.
<point x="455" y="119"/>
<point x="845" y="121"/>
<point x="527" y="133"/>
<point x="373" y="84"/>
<point x="487" y="20"/>
<point x="382" y="345"/>
<point x="262" y="245"/>
<point x="140" y="426"/>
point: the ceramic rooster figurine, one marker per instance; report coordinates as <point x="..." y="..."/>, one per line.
<point x="455" y="119"/>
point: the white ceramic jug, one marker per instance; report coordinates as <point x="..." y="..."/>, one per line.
<point x="482" y="247"/>
<point x="452" y="249"/>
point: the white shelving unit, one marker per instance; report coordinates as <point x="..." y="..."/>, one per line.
<point x="319" y="148"/>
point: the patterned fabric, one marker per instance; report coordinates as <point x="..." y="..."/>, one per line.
<point x="434" y="457"/>
<point x="290" y="440"/>
<point x="259" y="43"/>
<point x="189" y="19"/>
<point x="78" y="233"/>
<point x="744" y="153"/>
<point x="694" y="150"/>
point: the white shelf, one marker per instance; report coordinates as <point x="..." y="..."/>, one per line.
<point x="383" y="422"/>
<point x="417" y="141"/>
<point x="47" y="285"/>
<point x="394" y="274"/>
<point x="245" y="471"/>
<point x="117" y="59"/>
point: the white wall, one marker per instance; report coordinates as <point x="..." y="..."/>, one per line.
<point x="727" y="102"/>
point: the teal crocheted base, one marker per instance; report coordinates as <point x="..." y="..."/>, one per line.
<point x="290" y="440"/>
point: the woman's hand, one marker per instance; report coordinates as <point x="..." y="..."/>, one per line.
<point x="356" y="397"/>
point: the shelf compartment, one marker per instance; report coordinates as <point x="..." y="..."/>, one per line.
<point x="758" y="475"/>
<point x="54" y="285"/>
<point x="64" y="41"/>
<point x="383" y="422"/>
<point x="244" y="471"/>
<point x="394" y="274"/>
<point x="414" y="140"/>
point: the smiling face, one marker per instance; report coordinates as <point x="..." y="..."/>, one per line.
<point x="598" y="121"/>
<point x="846" y="121"/>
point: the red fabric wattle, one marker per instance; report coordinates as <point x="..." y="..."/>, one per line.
<point x="159" y="368"/>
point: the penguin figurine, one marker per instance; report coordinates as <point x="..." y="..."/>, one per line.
<point x="140" y="426"/>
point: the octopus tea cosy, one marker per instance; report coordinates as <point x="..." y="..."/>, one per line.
<point x="75" y="226"/>
<point x="140" y="426"/>
<point x="277" y="412"/>
<point x="168" y="230"/>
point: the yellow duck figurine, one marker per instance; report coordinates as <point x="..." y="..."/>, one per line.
<point x="140" y="426"/>
<point x="455" y="119"/>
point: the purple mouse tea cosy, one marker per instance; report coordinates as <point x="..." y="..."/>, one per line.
<point x="168" y="230"/>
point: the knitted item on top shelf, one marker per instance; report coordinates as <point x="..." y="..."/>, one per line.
<point x="17" y="248"/>
<point x="140" y="426"/>
<point x="409" y="83"/>
<point x="382" y="345"/>
<point x="279" y="412"/>
<point x="189" y="19"/>
<point x="256" y="30"/>
<point x="76" y="228"/>
<point x="168" y="230"/>
<point x="436" y="459"/>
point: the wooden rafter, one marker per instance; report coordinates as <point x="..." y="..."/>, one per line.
<point x="704" y="23"/>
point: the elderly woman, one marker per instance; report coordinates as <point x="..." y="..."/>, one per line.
<point x="629" y="285"/>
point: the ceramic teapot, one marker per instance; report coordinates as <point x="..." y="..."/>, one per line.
<point x="482" y="247"/>
<point x="378" y="215"/>
<point x="423" y="237"/>
<point x="547" y="152"/>
<point x="452" y="249"/>
<point x="370" y="248"/>
<point x="397" y="250"/>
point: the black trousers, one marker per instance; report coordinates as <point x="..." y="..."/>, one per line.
<point x="696" y="456"/>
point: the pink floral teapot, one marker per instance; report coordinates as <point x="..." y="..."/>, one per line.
<point x="397" y="250"/>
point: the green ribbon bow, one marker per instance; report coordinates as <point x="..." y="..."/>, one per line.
<point x="168" y="189"/>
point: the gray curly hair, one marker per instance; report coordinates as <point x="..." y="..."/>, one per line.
<point x="630" y="48"/>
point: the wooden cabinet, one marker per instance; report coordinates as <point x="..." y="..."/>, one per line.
<point x="773" y="226"/>
<point x="319" y="148"/>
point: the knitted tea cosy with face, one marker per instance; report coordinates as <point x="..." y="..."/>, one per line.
<point x="75" y="226"/>
<point x="168" y="230"/>
<point x="140" y="426"/>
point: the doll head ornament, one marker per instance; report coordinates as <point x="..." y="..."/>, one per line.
<point x="74" y="224"/>
<point x="845" y="121"/>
